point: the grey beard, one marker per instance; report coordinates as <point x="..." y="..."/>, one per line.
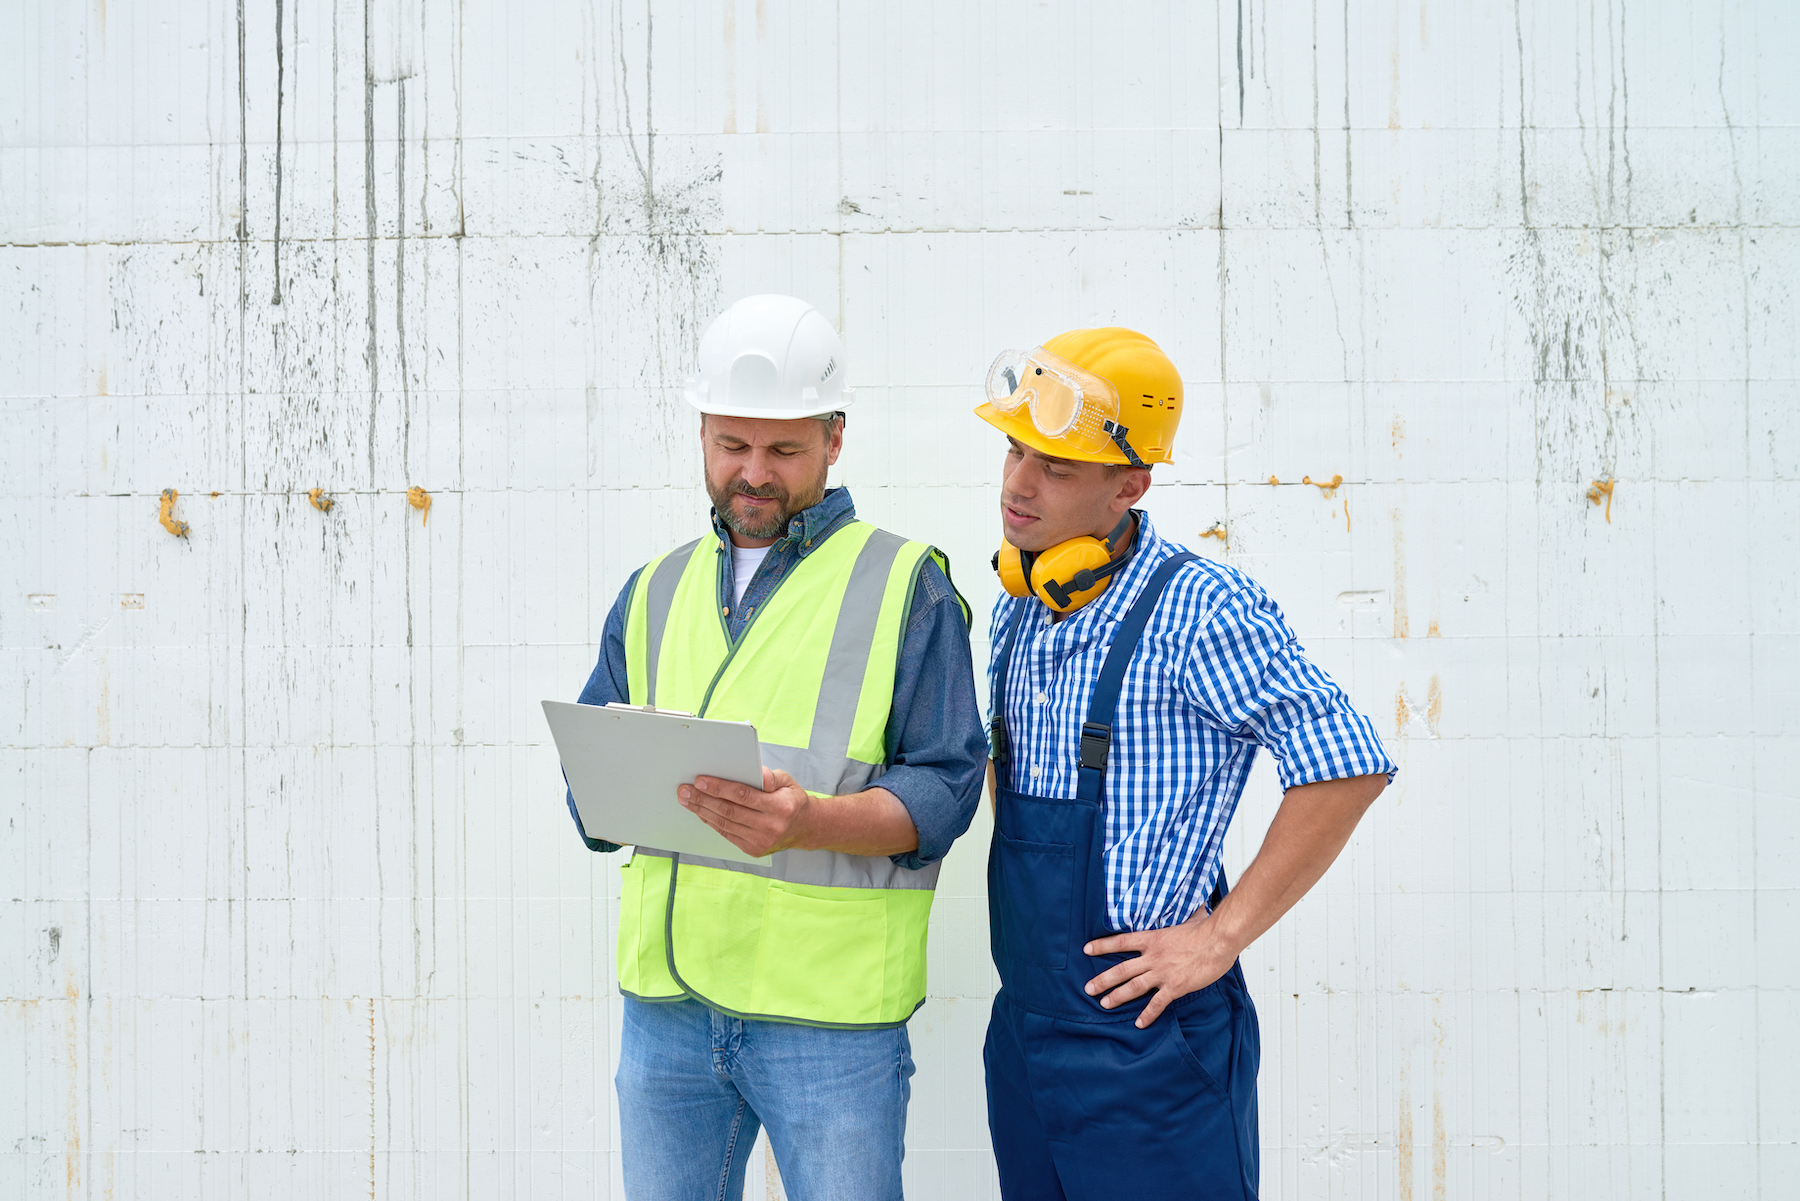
<point x="772" y="527"/>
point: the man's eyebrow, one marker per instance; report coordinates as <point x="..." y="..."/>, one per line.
<point x="783" y="444"/>
<point x="1033" y="451"/>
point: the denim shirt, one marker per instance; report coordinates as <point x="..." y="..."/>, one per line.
<point x="937" y="745"/>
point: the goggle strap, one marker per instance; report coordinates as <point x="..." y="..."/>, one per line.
<point x="1117" y="433"/>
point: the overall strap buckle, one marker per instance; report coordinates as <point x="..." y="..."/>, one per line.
<point x="1096" y="745"/>
<point x="1103" y="702"/>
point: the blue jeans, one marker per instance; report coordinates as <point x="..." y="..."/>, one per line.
<point x="696" y="1085"/>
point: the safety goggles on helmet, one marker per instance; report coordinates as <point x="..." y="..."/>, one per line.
<point x="1066" y="402"/>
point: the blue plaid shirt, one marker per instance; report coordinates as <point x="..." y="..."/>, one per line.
<point x="1217" y="674"/>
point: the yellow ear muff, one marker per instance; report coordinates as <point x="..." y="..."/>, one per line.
<point x="1013" y="566"/>
<point x="1070" y="574"/>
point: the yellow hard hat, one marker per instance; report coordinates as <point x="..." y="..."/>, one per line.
<point x="1106" y="395"/>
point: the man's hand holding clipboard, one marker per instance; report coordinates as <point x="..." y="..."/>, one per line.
<point x="757" y="821"/>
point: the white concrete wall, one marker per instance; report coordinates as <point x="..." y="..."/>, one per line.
<point x="289" y="903"/>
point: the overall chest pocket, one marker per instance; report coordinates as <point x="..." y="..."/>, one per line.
<point x="1031" y="888"/>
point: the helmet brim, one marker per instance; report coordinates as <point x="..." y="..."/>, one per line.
<point x="757" y="413"/>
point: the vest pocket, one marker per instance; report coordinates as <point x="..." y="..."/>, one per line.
<point x="820" y="959"/>
<point x="1034" y="899"/>
<point x="643" y="900"/>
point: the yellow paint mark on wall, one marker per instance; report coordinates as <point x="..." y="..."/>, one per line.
<point x="1603" y="488"/>
<point x="166" y="514"/>
<point x="1346" y="514"/>
<point x="419" y="499"/>
<point x="319" y="500"/>
<point x="1217" y="530"/>
<point x="1273" y="481"/>
<point x="1431" y="631"/>
<point x="1397" y="431"/>
<point x="1326" y="489"/>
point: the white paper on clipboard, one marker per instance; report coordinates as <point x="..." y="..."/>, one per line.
<point x="623" y="765"/>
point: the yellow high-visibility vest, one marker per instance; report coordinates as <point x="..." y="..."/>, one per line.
<point x="815" y="937"/>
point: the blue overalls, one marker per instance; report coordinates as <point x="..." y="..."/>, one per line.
<point x="1081" y="1103"/>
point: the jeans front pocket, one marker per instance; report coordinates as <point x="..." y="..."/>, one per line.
<point x="1033" y="897"/>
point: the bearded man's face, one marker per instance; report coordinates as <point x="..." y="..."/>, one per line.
<point x="760" y="473"/>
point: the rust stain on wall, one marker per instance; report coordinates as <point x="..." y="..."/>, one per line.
<point x="1400" y="619"/>
<point x="72" y="1154"/>
<point x="1403" y="1137"/>
<point x="1440" y="1136"/>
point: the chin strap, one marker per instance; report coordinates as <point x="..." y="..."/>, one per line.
<point x="1117" y="432"/>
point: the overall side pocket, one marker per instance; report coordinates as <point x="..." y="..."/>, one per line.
<point x="1034" y="901"/>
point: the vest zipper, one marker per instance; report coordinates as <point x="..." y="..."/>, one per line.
<point x="725" y="626"/>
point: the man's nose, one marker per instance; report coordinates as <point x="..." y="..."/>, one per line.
<point x="758" y="468"/>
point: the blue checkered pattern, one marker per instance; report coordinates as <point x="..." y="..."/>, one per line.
<point x="1217" y="674"/>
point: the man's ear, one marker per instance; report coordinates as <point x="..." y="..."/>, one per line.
<point x="1134" y="482"/>
<point x="834" y="442"/>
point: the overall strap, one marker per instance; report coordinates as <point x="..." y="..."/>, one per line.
<point x="1103" y="705"/>
<point x="1002" y="750"/>
<point x="1221" y="888"/>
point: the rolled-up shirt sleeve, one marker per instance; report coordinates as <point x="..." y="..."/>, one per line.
<point x="1249" y="674"/>
<point x="937" y="748"/>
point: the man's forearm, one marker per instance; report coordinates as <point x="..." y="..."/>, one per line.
<point x="870" y="822"/>
<point x="783" y="816"/>
<point x="1310" y="829"/>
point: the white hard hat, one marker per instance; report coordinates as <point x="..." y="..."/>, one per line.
<point x="772" y="357"/>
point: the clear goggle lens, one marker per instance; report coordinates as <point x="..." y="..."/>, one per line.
<point x="1039" y="380"/>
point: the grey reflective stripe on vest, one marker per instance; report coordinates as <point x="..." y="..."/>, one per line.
<point x="831" y="869"/>
<point x="822" y="771"/>
<point x="840" y="692"/>
<point x="659" y="599"/>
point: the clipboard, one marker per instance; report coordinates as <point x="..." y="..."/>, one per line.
<point x="624" y="763"/>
